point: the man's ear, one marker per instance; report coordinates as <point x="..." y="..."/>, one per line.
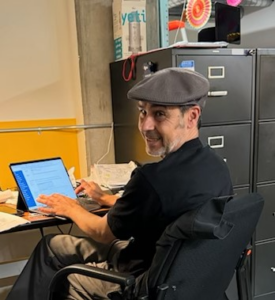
<point x="193" y="115"/>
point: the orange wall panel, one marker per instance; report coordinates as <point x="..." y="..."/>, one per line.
<point x="31" y="145"/>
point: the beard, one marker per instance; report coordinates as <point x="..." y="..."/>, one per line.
<point x="155" y="153"/>
<point x="157" y="145"/>
<point x="158" y="150"/>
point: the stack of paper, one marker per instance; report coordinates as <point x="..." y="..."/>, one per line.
<point x="114" y="176"/>
<point x="5" y="195"/>
<point x="8" y="221"/>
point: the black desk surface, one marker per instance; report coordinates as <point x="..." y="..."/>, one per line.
<point x="39" y="222"/>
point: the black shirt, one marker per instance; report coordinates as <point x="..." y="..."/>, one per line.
<point x="158" y="193"/>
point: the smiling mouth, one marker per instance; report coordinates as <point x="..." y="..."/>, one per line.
<point x="150" y="139"/>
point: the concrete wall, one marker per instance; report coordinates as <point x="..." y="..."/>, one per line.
<point x="39" y="79"/>
<point x="258" y="27"/>
<point x="95" y="46"/>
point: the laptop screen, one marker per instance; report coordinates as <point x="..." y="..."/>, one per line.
<point x="46" y="176"/>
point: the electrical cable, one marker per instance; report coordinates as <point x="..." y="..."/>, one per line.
<point x="41" y="231"/>
<point x="109" y="144"/>
<point x="69" y="231"/>
<point x="132" y="61"/>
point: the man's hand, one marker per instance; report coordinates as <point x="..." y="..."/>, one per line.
<point x="91" y="188"/>
<point x="94" y="226"/>
<point x="94" y="191"/>
<point x="58" y="205"/>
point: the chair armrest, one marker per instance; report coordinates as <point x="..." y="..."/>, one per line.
<point x="123" y="279"/>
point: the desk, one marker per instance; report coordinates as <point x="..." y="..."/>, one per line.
<point x="18" y="243"/>
<point x="39" y="222"/>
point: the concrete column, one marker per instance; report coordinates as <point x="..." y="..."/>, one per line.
<point x="95" y="48"/>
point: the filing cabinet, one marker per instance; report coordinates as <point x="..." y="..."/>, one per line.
<point x="264" y="174"/>
<point x="266" y="150"/>
<point x="226" y="140"/>
<point x="238" y="122"/>
<point x="241" y="191"/>
<point x="265" y="266"/>
<point x="228" y="101"/>
<point x="266" y="229"/>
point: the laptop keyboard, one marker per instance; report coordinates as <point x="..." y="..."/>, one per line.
<point x="88" y="203"/>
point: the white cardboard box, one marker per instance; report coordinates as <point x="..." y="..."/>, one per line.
<point x="129" y="27"/>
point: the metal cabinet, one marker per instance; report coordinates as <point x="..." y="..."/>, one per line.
<point x="265" y="268"/>
<point x="270" y="296"/>
<point x="266" y="227"/>
<point x="266" y="151"/>
<point x="264" y="174"/>
<point x="231" y="81"/>
<point x="226" y="140"/>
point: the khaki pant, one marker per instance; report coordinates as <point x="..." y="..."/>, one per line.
<point x="57" y="251"/>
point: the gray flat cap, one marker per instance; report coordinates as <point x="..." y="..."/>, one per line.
<point x="172" y="86"/>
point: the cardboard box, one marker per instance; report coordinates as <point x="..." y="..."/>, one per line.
<point x="129" y="26"/>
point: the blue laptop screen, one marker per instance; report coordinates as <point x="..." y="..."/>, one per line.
<point x="42" y="177"/>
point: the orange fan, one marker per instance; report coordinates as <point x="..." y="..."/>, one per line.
<point x="198" y="12"/>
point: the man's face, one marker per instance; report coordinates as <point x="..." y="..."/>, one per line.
<point x="164" y="128"/>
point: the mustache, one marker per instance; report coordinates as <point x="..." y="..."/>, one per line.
<point x="151" y="134"/>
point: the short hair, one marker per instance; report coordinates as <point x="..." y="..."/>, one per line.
<point x="184" y="108"/>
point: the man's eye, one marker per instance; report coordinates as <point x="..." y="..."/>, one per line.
<point x="142" y="112"/>
<point x="159" y="114"/>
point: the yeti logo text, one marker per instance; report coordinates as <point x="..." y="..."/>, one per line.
<point x="134" y="16"/>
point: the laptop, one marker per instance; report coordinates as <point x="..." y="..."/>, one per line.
<point x="45" y="176"/>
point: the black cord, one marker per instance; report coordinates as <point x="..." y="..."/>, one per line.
<point x="69" y="231"/>
<point x="41" y="231"/>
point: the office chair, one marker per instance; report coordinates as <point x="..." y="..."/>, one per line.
<point x="196" y="256"/>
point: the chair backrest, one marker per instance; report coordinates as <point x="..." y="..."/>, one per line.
<point x="207" y="34"/>
<point x="197" y="254"/>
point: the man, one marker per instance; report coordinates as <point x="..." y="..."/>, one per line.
<point x="170" y="104"/>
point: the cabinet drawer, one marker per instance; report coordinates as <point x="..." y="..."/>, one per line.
<point x="266" y="87"/>
<point x="241" y="191"/>
<point x="265" y="297"/>
<point x="232" y="143"/>
<point x="230" y="79"/>
<point x="266" y="225"/>
<point x="266" y="152"/>
<point x="264" y="264"/>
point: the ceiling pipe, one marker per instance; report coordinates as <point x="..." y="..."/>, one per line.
<point x="255" y="3"/>
<point x="259" y="3"/>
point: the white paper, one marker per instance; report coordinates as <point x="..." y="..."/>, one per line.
<point x="5" y="195"/>
<point x="71" y="176"/>
<point x="14" y="198"/>
<point x="184" y="44"/>
<point x="114" y="175"/>
<point x="8" y="221"/>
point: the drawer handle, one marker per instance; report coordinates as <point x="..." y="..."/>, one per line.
<point x="217" y="93"/>
<point x="272" y="269"/>
<point x="273" y="214"/>
<point x="215" y="72"/>
<point x="216" y="141"/>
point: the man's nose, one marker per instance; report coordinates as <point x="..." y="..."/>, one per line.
<point x="147" y="123"/>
